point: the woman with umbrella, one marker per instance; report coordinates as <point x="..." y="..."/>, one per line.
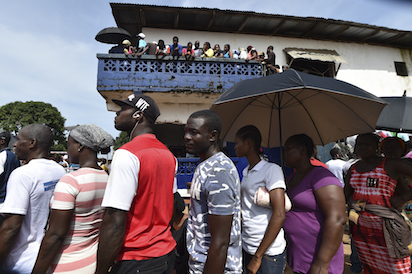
<point x="315" y="224"/>
<point x="372" y="181"/>
<point x="262" y="234"/>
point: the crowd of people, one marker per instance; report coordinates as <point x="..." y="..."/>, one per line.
<point x="190" y="51"/>
<point x="134" y="221"/>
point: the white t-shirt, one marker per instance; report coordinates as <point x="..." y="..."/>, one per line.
<point x="335" y="166"/>
<point x="29" y="190"/>
<point x="255" y="219"/>
<point x="3" y="158"/>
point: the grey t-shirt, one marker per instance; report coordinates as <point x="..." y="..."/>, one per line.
<point x="215" y="190"/>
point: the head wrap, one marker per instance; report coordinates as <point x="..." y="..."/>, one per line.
<point x="92" y="136"/>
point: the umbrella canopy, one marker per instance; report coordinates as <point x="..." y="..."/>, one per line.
<point x="113" y="35"/>
<point x="397" y="116"/>
<point x="292" y="102"/>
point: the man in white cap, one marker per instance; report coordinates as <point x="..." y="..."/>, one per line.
<point x="139" y="196"/>
<point x="150" y="49"/>
<point x="141" y="43"/>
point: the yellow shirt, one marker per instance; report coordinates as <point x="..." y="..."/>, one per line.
<point x="208" y="53"/>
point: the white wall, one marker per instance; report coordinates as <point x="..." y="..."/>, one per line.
<point x="369" y="67"/>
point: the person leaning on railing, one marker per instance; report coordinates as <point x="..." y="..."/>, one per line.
<point x="207" y="50"/>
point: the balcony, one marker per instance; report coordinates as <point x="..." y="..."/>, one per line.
<point x="178" y="86"/>
<point x="175" y="80"/>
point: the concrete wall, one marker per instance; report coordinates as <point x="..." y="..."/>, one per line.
<point x="369" y="67"/>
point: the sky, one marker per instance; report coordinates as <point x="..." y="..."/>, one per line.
<point x="48" y="51"/>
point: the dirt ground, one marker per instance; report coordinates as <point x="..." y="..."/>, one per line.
<point x="346" y="250"/>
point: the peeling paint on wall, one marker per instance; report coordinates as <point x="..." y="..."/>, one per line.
<point x="406" y="55"/>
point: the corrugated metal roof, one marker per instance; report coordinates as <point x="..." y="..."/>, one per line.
<point x="324" y="55"/>
<point x="133" y="17"/>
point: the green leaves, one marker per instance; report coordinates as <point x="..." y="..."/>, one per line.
<point x="14" y="116"/>
<point x="122" y="139"/>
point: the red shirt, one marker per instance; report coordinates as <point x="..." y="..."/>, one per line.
<point x="148" y="232"/>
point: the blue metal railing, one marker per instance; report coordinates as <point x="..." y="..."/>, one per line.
<point x="151" y="74"/>
<point x="187" y="166"/>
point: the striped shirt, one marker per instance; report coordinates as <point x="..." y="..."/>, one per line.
<point x="82" y="191"/>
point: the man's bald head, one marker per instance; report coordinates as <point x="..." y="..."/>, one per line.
<point x="41" y="133"/>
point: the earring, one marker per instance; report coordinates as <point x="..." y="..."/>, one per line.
<point x="79" y="150"/>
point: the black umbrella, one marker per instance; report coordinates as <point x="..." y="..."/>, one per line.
<point x="113" y="35"/>
<point x="292" y="102"/>
<point x="397" y="116"/>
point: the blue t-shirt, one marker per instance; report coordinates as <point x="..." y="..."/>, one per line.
<point x="179" y="48"/>
<point x="215" y="190"/>
<point x="142" y="44"/>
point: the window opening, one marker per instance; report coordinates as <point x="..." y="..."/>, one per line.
<point x="401" y="69"/>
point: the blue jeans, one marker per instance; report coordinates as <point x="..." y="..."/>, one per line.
<point x="270" y="264"/>
<point x="354" y="259"/>
<point x="160" y="265"/>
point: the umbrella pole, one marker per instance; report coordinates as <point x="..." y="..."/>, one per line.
<point x="280" y="133"/>
<point x="277" y="96"/>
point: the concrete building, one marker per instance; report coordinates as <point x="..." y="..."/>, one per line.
<point x="376" y="59"/>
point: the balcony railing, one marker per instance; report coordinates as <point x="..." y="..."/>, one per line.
<point x="150" y="73"/>
<point x="187" y="167"/>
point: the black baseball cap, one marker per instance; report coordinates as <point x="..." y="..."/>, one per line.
<point x="142" y="103"/>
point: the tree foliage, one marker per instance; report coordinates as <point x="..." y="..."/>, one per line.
<point x="121" y="140"/>
<point x="14" y="116"/>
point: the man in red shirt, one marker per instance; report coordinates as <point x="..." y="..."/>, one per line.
<point x="139" y="196"/>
